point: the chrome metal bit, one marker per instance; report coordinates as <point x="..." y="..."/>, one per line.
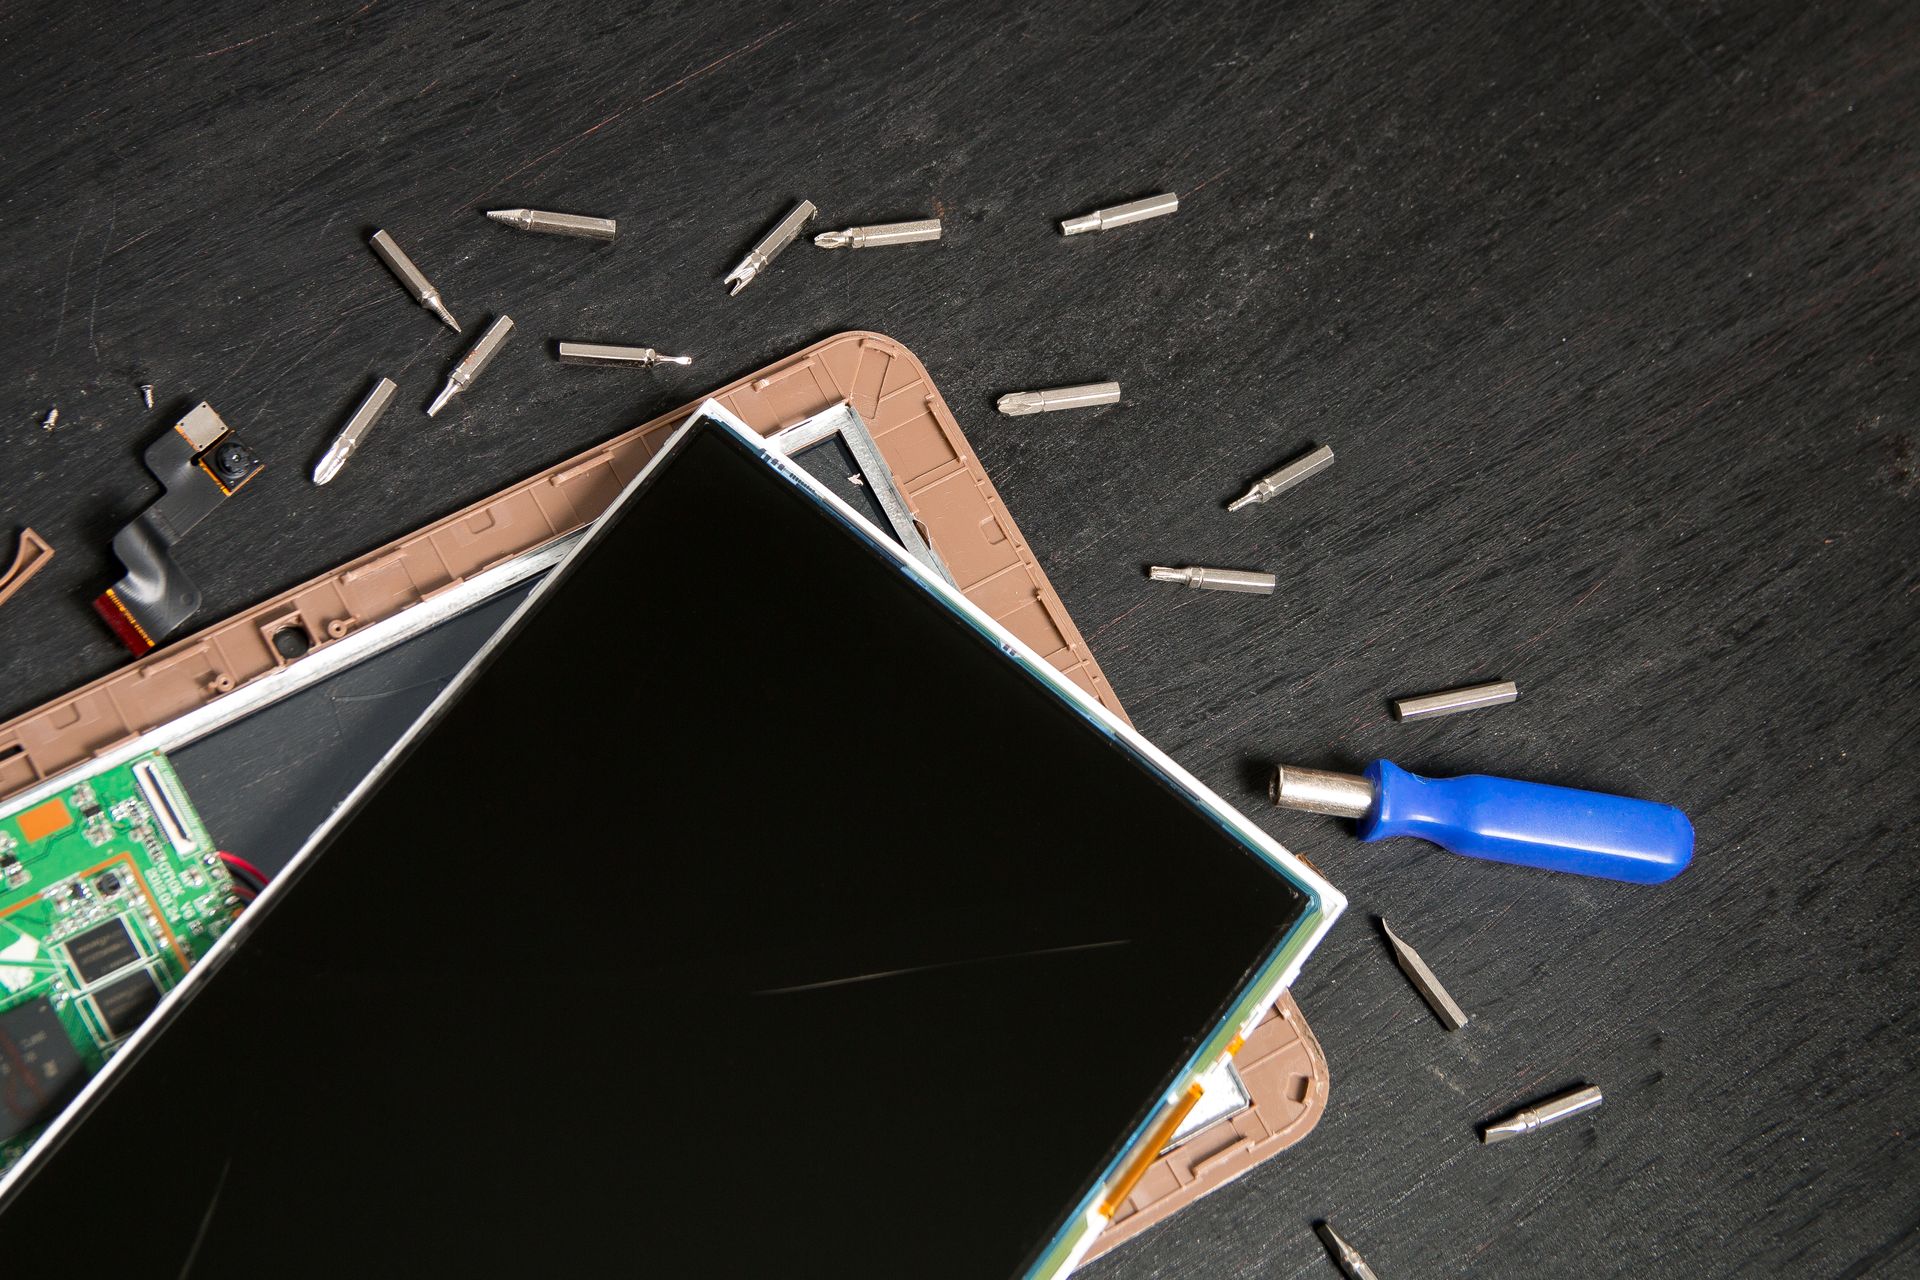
<point x="618" y="357"/>
<point x="1272" y="486"/>
<point x="1250" y="581"/>
<point x="880" y="234"/>
<point x="557" y="224"/>
<point x="1448" y="702"/>
<point x="1345" y="1254"/>
<point x="472" y="363"/>
<point x="1555" y="1109"/>
<point x="1122" y="214"/>
<point x="412" y="278"/>
<point x="1452" y="1016"/>
<point x="771" y="244"/>
<point x="371" y="410"/>
<point x="1085" y="396"/>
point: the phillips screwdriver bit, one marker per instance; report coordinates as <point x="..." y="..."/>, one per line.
<point x="1555" y="1109"/>
<point x="1017" y="403"/>
<point x="1346" y="1255"/>
<point x="880" y="234"/>
<point x="1122" y="214"/>
<point x="410" y="276"/>
<point x="1272" y="486"/>
<point x="557" y="224"/>
<point x="618" y="357"/>
<point x="1452" y="1016"/>
<point x="1254" y="583"/>
<point x="472" y="363"/>
<point x="371" y="410"/>
<point x="771" y="244"/>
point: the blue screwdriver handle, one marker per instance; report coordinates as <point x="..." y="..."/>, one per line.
<point x="1531" y="824"/>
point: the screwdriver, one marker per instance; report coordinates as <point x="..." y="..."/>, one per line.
<point x="1529" y="824"/>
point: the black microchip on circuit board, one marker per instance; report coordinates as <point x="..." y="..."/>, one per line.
<point x="40" y="1070"/>
<point x="125" y="1004"/>
<point x="104" y="949"/>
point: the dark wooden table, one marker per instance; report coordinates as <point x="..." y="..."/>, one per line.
<point x="1609" y="311"/>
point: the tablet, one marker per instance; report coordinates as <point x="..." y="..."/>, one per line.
<point x="493" y="1016"/>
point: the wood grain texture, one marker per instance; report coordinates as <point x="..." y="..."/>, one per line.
<point x="1608" y="311"/>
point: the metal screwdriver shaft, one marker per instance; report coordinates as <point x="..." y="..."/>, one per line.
<point x="370" y="411"/>
<point x="1084" y="396"/>
<point x="556" y="224"/>
<point x="770" y="246"/>
<point x="1122" y="214"/>
<point x="1248" y="580"/>
<point x="412" y="278"/>
<point x="472" y="363"/>
<point x="880" y="234"/>
<point x="1346" y="1255"/>
<point x="1272" y="486"/>
<point x="601" y="353"/>
<point x="1530" y="1119"/>
<point x="1452" y="1016"/>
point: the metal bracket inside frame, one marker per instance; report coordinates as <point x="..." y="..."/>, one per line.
<point x="842" y="421"/>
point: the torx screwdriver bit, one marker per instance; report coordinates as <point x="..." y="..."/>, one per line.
<point x="1254" y="583"/>
<point x="472" y="363"/>
<point x="619" y="357"/>
<point x="1555" y="1109"/>
<point x="770" y="246"/>
<point x="1449" y="701"/>
<point x="1017" y="403"/>
<point x="880" y="234"/>
<point x="1121" y="214"/>
<point x="1452" y="1016"/>
<point x="557" y="224"/>
<point x="370" y="411"/>
<point x="1272" y="486"/>
<point x="410" y="276"/>
<point x="1345" y="1254"/>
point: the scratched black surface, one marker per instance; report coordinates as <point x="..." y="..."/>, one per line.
<point x="1608" y="311"/>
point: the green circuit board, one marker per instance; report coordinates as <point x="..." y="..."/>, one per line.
<point x="109" y="891"/>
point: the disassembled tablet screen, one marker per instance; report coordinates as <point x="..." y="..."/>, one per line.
<point x="729" y="912"/>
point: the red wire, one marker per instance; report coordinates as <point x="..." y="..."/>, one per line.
<point x="244" y="865"/>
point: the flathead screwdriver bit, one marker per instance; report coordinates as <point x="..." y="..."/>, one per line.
<point x="412" y="278"/>
<point x="1555" y="1109"/>
<point x="557" y="224"/>
<point x="471" y="364"/>
<point x="1247" y="580"/>
<point x="602" y="353"/>
<point x="1122" y="214"/>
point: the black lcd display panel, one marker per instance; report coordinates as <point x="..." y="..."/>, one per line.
<point x="746" y="912"/>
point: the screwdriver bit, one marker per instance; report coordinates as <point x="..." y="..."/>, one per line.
<point x="1018" y="403"/>
<point x="472" y="363"/>
<point x="558" y="224"/>
<point x="771" y="244"/>
<point x="1345" y="1254"/>
<point x="1254" y="583"/>
<point x="880" y="234"/>
<point x="1451" y="701"/>
<point x="1452" y="1016"/>
<point x="619" y="357"/>
<point x="1272" y="486"/>
<point x="410" y="276"/>
<point x="1122" y="214"/>
<point x="1555" y="1109"/>
<point x="371" y="410"/>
